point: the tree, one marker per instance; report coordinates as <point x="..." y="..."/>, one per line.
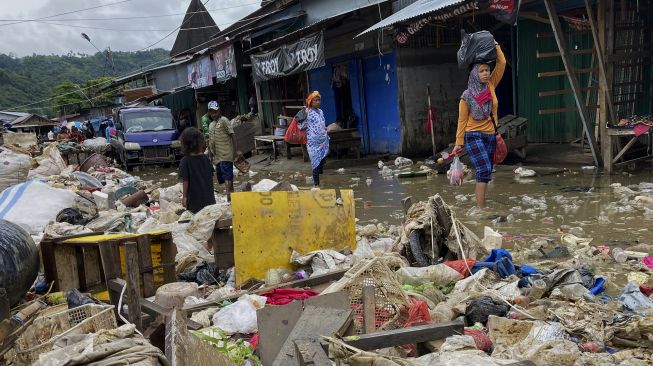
<point x="67" y="98"/>
<point x="70" y="97"/>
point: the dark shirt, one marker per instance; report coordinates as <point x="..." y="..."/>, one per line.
<point x="198" y="171"/>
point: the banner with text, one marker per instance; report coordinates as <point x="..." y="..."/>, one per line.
<point x="303" y="55"/>
<point x="199" y="73"/>
<point x="225" y="64"/>
<point x="502" y="10"/>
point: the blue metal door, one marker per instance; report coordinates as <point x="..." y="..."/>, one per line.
<point x="382" y="103"/>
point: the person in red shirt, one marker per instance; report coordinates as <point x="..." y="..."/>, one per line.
<point x="76" y="135"/>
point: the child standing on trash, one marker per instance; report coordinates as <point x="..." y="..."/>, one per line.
<point x="195" y="171"/>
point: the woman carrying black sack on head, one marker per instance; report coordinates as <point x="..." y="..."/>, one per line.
<point x="477" y="121"/>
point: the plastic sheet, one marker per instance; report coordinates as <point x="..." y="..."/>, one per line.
<point x="14" y="168"/>
<point x="19" y="261"/>
<point x="50" y="163"/>
<point x="439" y="274"/>
<point x="18" y="203"/>
<point x="239" y="317"/>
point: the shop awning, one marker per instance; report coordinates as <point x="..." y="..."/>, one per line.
<point x="418" y="8"/>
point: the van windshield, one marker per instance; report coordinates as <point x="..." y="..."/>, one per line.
<point x="148" y="121"/>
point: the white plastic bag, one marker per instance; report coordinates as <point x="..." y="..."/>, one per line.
<point x="492" y="239"/>
<point x="402" y="162"/>
<point x="14" y="168"/>
<point x="456" y="172"/>
<point x="440" y="274"/>
<point x="98" y="144"/>
<point x="50" y="163"/>
<point x="33" y="205"/>
<point x="202" y="224"/>
<point x="239" y="317"/>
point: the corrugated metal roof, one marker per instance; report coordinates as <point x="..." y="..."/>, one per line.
<point x="420" y="7"/>
<point x="312" y="26"/>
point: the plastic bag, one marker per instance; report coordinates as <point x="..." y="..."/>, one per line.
<point x="239" y="317"/>
<point x="14" y="168"/>
<point x="456" y="172"/>
<point x="477" y="48"/>
<point x="439" y="274"/>
<point x="50" y="163"/>
<point x="294" y="135"/>
<point x="418" y="313"/>
<point x="202" y="224"/>
<point x="480" y="309"/>
<point x="501" y="151"/>
<point x="18" y="203"/>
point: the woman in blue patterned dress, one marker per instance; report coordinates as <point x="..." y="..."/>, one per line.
<point x="316" y="136"/>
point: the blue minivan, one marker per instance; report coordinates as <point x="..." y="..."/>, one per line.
<point x="145" y="135"/>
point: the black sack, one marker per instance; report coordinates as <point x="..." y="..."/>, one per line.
<point x="477" y="48"/>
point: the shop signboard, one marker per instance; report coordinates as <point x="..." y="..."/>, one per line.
<point x="303" y="55"/>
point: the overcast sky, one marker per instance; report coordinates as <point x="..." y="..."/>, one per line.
<point x="37" y="37"/>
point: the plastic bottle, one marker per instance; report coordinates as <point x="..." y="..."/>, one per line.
<point x="619" y="255"/>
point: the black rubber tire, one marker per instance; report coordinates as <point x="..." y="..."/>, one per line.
<point x="416" y="248"/>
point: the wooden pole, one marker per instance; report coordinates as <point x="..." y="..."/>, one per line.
<point x="573" y="80"/>
<point x="369" y="309"/>
<point x="259" y="104"/>
<point x="428" y="93"/>
<point x="603" y="79"/>
<point x="133" y="285"/>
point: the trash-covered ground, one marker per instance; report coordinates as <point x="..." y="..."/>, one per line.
<point x="557" y="271"/>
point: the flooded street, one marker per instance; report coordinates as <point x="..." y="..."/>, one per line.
<point x="520" y="208"/>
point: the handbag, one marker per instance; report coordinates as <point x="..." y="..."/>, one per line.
<point x="501" y="150"/>
<point x="294" y="135"/>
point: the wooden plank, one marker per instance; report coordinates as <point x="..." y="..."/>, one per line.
<point x="563" y="72"/>
<point x="369" y="309"/>
<point x="398" y="337"/>
<point x="92" y="267"/>
<point x="621" y="132"/>
<point x="168" y="253"/>
<point x="223" y="247"/>
<point x="573" y="81"/>
<point x="309" y="353"/>
<point x="133" y="284"/>
<point x="334" y="300"/>
<point x="550" y="93"/>
<point x="313" y="323"/>
<point x="67" y="273"/>
<point x="145" y="263"/>
<point x="542" y="112"/>
<point x="633" y="161"/>
<point x="275" y="323"/>
<point x="586" y="51"/>
<point x="625" y="149"/>
<point x="49" y="263"/>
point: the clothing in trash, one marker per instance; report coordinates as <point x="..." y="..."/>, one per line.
<point x="284" y="296"/>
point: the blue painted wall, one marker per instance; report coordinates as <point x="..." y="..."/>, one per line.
<point x="382" y="103"/>
<point x="320" y="80"/>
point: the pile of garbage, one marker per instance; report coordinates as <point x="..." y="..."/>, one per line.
<point x="554" y="302"/>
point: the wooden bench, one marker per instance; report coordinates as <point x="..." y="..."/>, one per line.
<point x="347" y="139"/>
<point x="614" y="135"/>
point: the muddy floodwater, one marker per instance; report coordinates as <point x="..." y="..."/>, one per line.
<point x="521" y="209"/>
